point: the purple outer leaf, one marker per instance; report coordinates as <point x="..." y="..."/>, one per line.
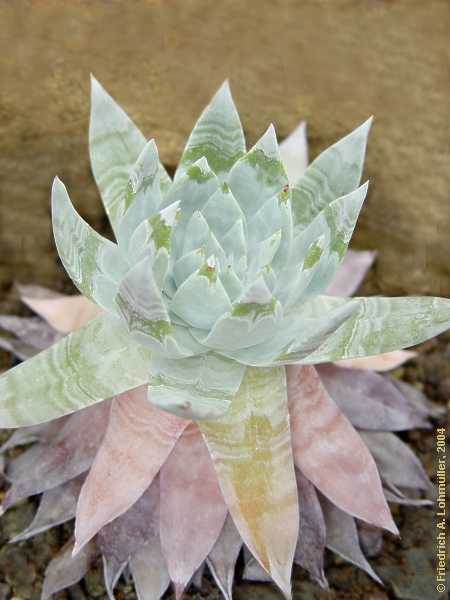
<point x="222" y="558"/>
<point x="149" y="570"/>
<point x="31" y="330"/>
<point x="253" y="571"/>
<point x="397" y="463"/>
<point x="197" y="580"/>
<point x="418" y="399"/>
<point x="342" y="537"/>
<point x="66" y="456"/>
<point x="393" y="494"/>
<point x="64" y="571"/>
<point x="19" y="349"/>
<point x="309" y="553"/>
<point x="370" y="538"/>
<point x="118" y="540"/>
<point x="35" y="433"/>
<point x="369" y="400"/>
<point x="57" y="506"/>
<point x="111" y="575"/>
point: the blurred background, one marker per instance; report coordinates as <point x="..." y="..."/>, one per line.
<point x="332" y="63"/>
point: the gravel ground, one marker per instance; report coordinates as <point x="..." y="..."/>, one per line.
<point x="406" y="564"/>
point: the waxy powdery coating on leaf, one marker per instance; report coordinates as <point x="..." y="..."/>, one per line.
<point x="205" y="424"/>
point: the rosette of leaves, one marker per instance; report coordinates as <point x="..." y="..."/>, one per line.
<point x="213" y="306"/>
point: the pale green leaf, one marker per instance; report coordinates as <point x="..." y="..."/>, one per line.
<point x="246" y="325"/>
<point x="292" y="337"/>
<point x="265" y="222"/>
<point x="188" y="264"/>
<point x="94" y="264"/>
<point x="197" y="233"/>
<point x="385" y="324"/>
<point x="258" y="175"/>
<point x="222" y="212"/>
<point x="198" y="387"/>
<point x="217" y="136"/>
<point x="201" y="299"/>
<point x="141" y="304"/>
<point x="192" y="190"/>
<point x="231" y="282"/>
<point x="234" y="244"/>
<point x="96" y="362"/>
<point x="143" y="194"/>
<point x="334" y="173"/>
<point x="115" y="144"/>
<point x="323" y="243"/>
<point x="294" y="153"/>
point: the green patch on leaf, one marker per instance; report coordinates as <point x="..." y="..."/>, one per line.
<point x="129" y="196"/>
<point x="269" y="170"/>
<point x="313" y="255"/>
<point x="160" y="232"/>
<point x="158" y="329"/>
<point x="284" y="195"/>
<point x="209" y="272"/>
<point x="217" y="159"/>
<point x="196" y="173"/>
<point x="246" y="309"/>
<point x="339" y="246"/>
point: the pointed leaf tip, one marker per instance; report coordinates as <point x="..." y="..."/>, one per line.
<point x="217" y="135"/>
<point x="224" y="90"/>
<point x="179" y="590"/>
<point x="268" y="142"/>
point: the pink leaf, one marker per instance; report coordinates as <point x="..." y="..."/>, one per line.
<point x="193" y="510"/>
<point x="351" y="273"/>
<point x="137" y="442"/>
<point x="63" y="313"/>
<point x="330" y="453"/>
<point x="380" y="362"/>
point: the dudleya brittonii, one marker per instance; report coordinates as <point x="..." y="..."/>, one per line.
<point x="216" y="283"/>
<point x="222" y="268"/>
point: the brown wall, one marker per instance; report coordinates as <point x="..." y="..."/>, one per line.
<point x="331" y="62"/>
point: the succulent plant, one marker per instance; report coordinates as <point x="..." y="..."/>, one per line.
<point x="194" y="387"/>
